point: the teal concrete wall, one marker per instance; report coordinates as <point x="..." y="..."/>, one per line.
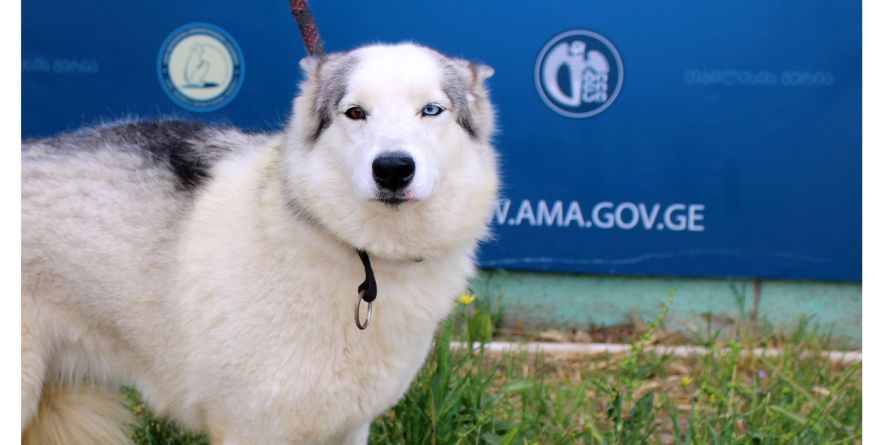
<point x="701" y="306"/>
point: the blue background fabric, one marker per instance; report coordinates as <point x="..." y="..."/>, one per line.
<point x="725" y="139"/>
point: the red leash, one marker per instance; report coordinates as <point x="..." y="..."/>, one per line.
<point x="308" y="28"/>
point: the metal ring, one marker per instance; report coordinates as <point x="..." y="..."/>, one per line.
<point x="365" y="324"/>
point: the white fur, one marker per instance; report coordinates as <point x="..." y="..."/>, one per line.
<point x="232" y="311"/>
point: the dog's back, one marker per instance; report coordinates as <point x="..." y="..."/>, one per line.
<point x="100" y="200"/>
<point x="102" y="211"/>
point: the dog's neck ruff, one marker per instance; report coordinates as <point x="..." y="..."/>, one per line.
<point x="367" y="291"/>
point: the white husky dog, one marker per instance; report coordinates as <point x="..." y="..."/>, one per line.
<point x="216" y="271"/>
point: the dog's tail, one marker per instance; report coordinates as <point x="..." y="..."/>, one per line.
<point x="83" y="414"/>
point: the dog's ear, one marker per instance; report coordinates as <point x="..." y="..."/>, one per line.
<point x="465" y="84"/>
<point x="476" y="73"/>
<point x="481" y="71"/>
<point x="309" y="65"/>
<point x="324" y="84"/>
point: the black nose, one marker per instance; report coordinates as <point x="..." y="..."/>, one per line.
<point x="393" y="171"/>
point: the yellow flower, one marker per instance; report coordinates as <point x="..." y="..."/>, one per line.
<point x="686" y="381"/>
<point x="466" y="299"/>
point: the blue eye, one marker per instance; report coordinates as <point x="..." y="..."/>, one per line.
<point x="431" y="110"/>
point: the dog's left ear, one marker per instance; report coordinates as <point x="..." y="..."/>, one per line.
<point x="476" y="73"/>
<point x="481" y="71"/>
<point x="467" y="90"/>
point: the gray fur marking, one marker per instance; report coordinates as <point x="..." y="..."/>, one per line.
<point x="186" y="148"/>
<point x="334" y="73"/>
<point x="456" y="88"/>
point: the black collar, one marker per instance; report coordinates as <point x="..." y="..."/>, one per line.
<point x="367" y="287"/>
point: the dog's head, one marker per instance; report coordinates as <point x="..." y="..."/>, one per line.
<point x="388" y="150"/>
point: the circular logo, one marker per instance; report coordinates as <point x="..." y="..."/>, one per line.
<point x="200" y="67"/>
<point x="578" y="73"/>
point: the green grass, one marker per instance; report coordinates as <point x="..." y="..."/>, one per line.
<point x="724" y="397"/>
<point x="156" y="431"/>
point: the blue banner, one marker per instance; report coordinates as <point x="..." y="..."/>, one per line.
<point x="641" y="138"/>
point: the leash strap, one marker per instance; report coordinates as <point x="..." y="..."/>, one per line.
<point x="368" y="286"/>
<point x="366" y="291"/>
<point x="308" y="28"/>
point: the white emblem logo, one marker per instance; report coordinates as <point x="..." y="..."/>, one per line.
<point x="578" y="73"/>
<point x="200" y="67"/>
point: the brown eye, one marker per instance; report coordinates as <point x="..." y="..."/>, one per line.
<point x="355" y="113"/>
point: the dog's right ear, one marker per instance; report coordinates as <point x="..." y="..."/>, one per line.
<point x="305" y="122"/>
<point x="309" y="65"/>
<point x="323" y="85"/>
